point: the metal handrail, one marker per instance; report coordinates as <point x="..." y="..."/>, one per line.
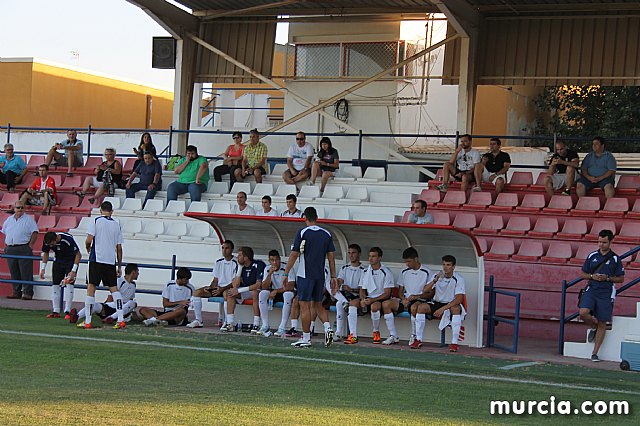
<point x="563" y="301"/>
<point x="493" y="319"/>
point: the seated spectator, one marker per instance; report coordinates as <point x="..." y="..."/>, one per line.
<point x="232" y="160"/>
<point x="562" y="170"/>
<point x="266" y="210"/>
<point x="461" y="165"/>
<point x="247" y="281"/>
<point x="12" y="168"/>
<point x="276" y="287"/>
<point x="419" y="214"/>
<point x="292" y="210"/>
<point x="598" y="169"/>
<point x="493" y="167"/>
<point x="71" y="155"/>
<point x="447" y="303"/>
<point x="149" y="173"/>
<point x="193" y="171"/>
<point x="146" y="145"/>
<point x="176" y="298"/>
<point x="242" y="208"/>
<point x="42" y="191"/>
<point x="349" y="284"/>
<point x="327" y="163"/>
<point x="299" y="159"/>
<point x="254" y="159"/>
<point x="107" y="174"/>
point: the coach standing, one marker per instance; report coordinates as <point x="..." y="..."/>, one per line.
<point x="20" y="232"/>
<point x="104" y="244"/>
<point x="311" y="245"/>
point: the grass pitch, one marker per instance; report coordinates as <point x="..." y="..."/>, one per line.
<point x="53" y="373"/>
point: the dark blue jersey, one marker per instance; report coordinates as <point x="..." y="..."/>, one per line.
<point x="612" y="267"/>
<point x="252" y="273"/>
<point x="65" y="250"/>
<point x="313" y="243"/>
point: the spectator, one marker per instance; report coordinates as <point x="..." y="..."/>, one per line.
<point x="42" y="191"/>
<point x="71" y="152"/>
<point x="419" y="214"/>
<point x="292" y="210"/>
<point x="242" y="208"/>
<point x="254" y="159"/>
<point x="193" y="171"/>
<point x="461" y="165"/>
<point x="493" y="167"/>
<point x="312" y="245"/>
<point x="598" y="169"/>
<point x="232" y="160"/>
<point x="349" y="278"/>
<point x="375" y="287"/>
<point x="562" y="169"/>
<point x="65" y="269"/>
<point x="299" y="159"/>
<point x="12" y="168"/>
<point x="146" y="145"/>
<point x="267" y="210"/>
<point x="107" y="174"/>
<point x="149" y="173"/>
<point x="327" y="162"/>
<point x="224" y="271"/>
<point x="603" y="269"/>
<point x="20" y="233"/>
<point x="176" y="298"/>
<point x="275" y="288"/>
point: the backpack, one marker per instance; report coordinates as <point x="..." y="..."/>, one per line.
<point x="171" y="164"/>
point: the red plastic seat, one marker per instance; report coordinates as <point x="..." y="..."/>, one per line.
<point x="71" y="182"/>
<point x="478" y="201"/>
<point x="558" y="252"/>
<point x="530" y="251"/>
<point x="453" y="200"/>
<point x="573" y="229"/>
<point x="505" y="202"/>
<point x="65" y="202"/>
<point x="586" y="206"/>
<point x="629" y="232"/>
<point x="615" y="207"/>
<point x="501" y="249"/>
<point x="599" y="225"/>
<point x="65" y="223"/>
<point x="520" y="181"/>
<point x="539" y="185"/>
<point x="634" y="213"/>
<point x="490" y="224"/>
<point x="90" y="164"/>
<point x="484" y="244"/>
<point x="46" y="222"/>
<point x="559" y="204"/>
<point x="628" y="184"/>
<point x="531" y="203"/>
<point x="128" y="165"/>
<point x="465" y="221"/>
<point x="517" y="226"/>
<point x="584" y="250"/>
<point x="441" y="218"/>
<point x="27" y="181"/>
<point x="9" y="199"/>
<point x="545" y="227"/>
<point x="34" y="162"/>
<point x="57" y="179"/>
<point x="431" y="196"/>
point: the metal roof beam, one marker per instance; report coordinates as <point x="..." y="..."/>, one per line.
<point x="174" y="20"/>
<point x="210" y="16"/>
<point x="463" y="17"/>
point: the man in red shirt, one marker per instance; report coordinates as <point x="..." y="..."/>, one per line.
<point x="42" y="192"/>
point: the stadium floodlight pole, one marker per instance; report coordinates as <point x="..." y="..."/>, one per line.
<point x="320" y="107"/>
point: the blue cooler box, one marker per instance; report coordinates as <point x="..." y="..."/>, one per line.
<point x="630" y="353"/>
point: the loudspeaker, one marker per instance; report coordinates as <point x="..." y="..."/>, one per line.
<point x="164" y="53"/>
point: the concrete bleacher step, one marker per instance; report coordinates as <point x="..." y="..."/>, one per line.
<point x="610" y="349"/>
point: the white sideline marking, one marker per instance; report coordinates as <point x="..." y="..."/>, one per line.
<point x="326" y="361"/>
<point x="522" y="364"/>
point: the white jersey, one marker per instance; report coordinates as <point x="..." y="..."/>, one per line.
<point x="175" y="293"/>
<point x="225" y="271"/>
<point x="248" y="210"/>
<point x="127" y="289"/>
<point x="448" y="288"/>
<point x="106" y="236"/>
<point x="277" y="277"/>
<point x="414" y="280"/>
<point x="351" y="275"/>
<point x="272" y="212"/>
<point x="374" y="281"/>
<point x="287" y="213"/>
<point x="466" y="160"/>
<point x="299" y="155"/>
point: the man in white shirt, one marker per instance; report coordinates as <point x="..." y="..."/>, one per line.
<point x="266" y="208"/>
<point x="299" y="159"/>
<point x="224" y="270"/>
<point x="461" y="165"/>
<point x="20" y="232"/>
<point x="349" y="277"/>
<point x="275" y="288"/>
<point x="176" y="298"/>
<point x="104" y="244"/>
<point x="242" y="208"/>
<point x="449" y="287"/>
<point x="411" y="282"/>
<point x="292" y="210"/>
<point x="375" y="287"/>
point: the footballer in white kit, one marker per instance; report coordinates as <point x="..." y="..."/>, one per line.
<point x="176" y="298"/>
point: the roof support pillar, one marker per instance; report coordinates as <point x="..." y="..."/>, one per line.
<point x="183" y="91"/>
<point x="467" y="86"/>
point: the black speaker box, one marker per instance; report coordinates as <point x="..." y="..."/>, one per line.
<point x="164" y="53"/>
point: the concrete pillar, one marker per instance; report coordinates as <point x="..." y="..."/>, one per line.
<point x="183" y="92"/>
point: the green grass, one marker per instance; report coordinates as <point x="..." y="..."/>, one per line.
<point x="49" y="380"/>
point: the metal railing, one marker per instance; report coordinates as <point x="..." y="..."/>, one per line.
<point x="564" y="318"/>
<point x="493" y="319"/>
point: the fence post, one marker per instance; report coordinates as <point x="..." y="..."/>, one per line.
<point x="490" y="314"/>
<point x="89" y="141"/>
<point x="360" y="147"/>
<point x="173" y="267"/>
<point x="457" y="138"/>
<point x="169" y="154"/>
<point x="563" y="302"/>
<point x="9" y="133"/>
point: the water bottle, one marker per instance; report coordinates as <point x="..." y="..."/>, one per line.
<point x="238" y="326"/>
<point x="270" y="305"/>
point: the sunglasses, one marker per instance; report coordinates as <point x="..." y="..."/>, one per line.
<point x="19" y="208"/>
